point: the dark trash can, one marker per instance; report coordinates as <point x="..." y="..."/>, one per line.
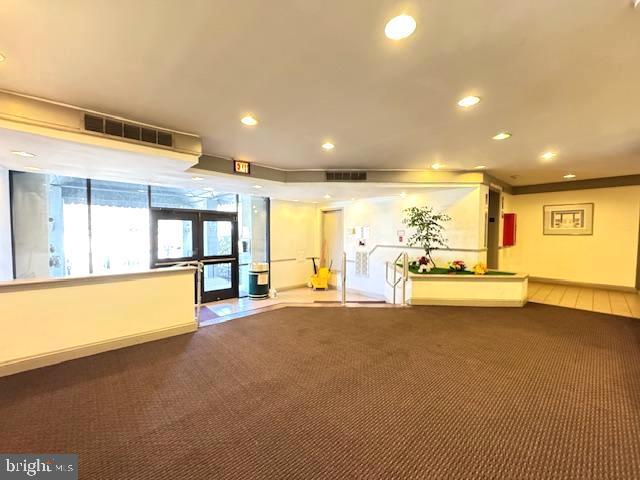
<point x="259" y="280"/>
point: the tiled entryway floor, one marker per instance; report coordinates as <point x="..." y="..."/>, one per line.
<point x="592" y="299"/>
<point x="216" y="312"/>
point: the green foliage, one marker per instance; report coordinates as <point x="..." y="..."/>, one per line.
<point x="429" y="229"/>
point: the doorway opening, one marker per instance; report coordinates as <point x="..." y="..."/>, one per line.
<point x="493" y="229"/>
<point x="332" y="243"/>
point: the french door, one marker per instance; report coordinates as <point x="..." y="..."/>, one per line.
<point x="179" y="236"/>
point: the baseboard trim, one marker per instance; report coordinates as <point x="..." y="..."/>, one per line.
<point x="59" y="356"/>
<point x="466" y="302"/>
<point x="291" y="287"/>
<point x="570" y="283"/>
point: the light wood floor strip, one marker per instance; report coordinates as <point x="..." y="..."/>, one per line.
<point x="556" y="295"/>
<point x="570" y="297"/>
<point x="542" y="293"/>
<point x="533" y="288"/>
<point x="594" y="299"/>
<point x="633" y="301"/>
<point x="601" y="301"/>
<point x="585" y="299"/>
<point x="619" y="305"/>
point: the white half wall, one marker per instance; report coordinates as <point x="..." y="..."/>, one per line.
<point x="48" y="321"/>
<point x="6" y="262"/>
<point x="295" y="235"/>
<point x="608" y="257"/>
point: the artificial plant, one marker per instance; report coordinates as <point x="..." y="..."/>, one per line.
<point x="429" y="229"/>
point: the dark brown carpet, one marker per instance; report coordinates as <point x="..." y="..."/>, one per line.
<point x="332" y="393"/>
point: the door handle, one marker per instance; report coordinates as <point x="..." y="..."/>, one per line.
<point x="220" y="260"/>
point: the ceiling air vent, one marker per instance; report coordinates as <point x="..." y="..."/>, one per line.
<point x="346" y="176"/>
<point x="130" y="131"/>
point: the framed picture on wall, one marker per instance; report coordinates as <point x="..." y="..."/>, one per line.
<point x="571" y="219"/>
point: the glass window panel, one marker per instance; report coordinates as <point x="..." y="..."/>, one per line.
<point x="217" y="276"/>
<point x="50" y="225"/>
<point x="119" y="227"/>
<point x="243" y="289"/>
<point x="253" y="234"/>
<point x="217" y="238"/>
<point x="193" y="199"/>
<point x="175" y="238"/>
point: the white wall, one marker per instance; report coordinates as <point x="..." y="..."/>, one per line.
<point x="89" y="315"/>
<point x="295" y="235"/>
<point x="6" y="263"/>
<point x="607" y="257"/>
<point x="384" y="218"/>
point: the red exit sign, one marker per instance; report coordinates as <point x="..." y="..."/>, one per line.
<point x="241" y="167"/>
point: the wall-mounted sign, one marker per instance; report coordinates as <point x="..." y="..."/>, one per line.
<point x="241" y="167"/>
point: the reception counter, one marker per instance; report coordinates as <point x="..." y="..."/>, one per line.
<point x="467" y="290"/>
<point x="47" y="321"/>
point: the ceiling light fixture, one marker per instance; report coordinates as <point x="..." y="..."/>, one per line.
<point x="436" y="166"/>
<point x="548" y="155"/>
<point x="2" y="57"/>
<point x="257" y="186"/>
<point x="327" y="196"/>
<point x="479" y="167"/>
<point x="249" y="120"/>
<point x="569" y="176"/>
<point x="502" y="136"/>
<point x="328" y="146"/>
<point x="469" y="101"/>
<point x="400" y="27"/>
<point x="20" y="153"/>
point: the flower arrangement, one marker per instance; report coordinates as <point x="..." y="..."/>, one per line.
<point x="480" y="268"/>
<point x="422" y="263"/>
<point x="457" y="266"/>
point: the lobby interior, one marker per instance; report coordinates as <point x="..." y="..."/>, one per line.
<point x="365" y="239"/>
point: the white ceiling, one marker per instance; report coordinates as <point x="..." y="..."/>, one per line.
<point x="560" y="75"/>
<point x="74" y="159"/>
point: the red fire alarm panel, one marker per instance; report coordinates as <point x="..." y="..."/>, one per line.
<point x="509" y="230"/>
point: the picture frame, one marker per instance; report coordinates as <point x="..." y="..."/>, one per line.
<point x="568" y="219"/>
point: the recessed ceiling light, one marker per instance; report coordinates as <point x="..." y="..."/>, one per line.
<point x="295" y="200"/>
<point x="249" y="120"/>
<point x="20" y="153"/>
<point x="257" y="186"/>
<point x="403" y="194"/>
<point x="400" y="27"/>
<point x="548" y="155"/>
<point x="480" y="167"/>
<point x="469" y="101"/>
<point x="569" y="176"/>
<point x="33" y="169"/>
<point x="436" y="166"/>
<point x="328" y="146"/>
<point x="502" y="136"/>
<point x="327" y="196"/>
<point x="197" y="179"/>
<point x="2" y="57"/>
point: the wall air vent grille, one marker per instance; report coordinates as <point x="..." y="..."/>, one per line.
<point x="346" y="176"/>
<point x="130" y="131"/>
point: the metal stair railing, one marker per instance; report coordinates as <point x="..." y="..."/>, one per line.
<point x="396" y="280"/>
<point x="199" y="271"/>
